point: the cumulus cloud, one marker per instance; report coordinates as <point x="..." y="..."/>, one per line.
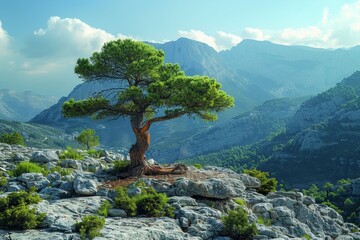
<point x="199" y="36"/>
<point x="255" y="33"/>
<point x="220" y="42"/>
<point x="4" y="41"/>
<point x="66" y="37"/>
<point x="340" y="29"/>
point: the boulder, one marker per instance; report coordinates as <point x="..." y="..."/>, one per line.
<point x="85" y="186"/>
<point x="36" y="180"/>
<point x="44" y="156"/>
<point x="211" y="188"/>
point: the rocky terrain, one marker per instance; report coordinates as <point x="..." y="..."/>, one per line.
<point x="200" y="198"/>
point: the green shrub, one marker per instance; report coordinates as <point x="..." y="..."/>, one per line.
<point x="330" y="204"/>
<point x="71" y="153"/>
<point x="3" y="182"/>
<point x="124" y="202"/>
<point x="267" y="184"/>
<point x="153" y="204"/>
<point x="12" y="138"/>
<point x="21" y="217"/>
<point x="26" y="167"/>
<point x="149" y="202"/>
<point x="236" y="225"/>
<point x="121" y="166"/>
<point x="95" y="153"/>
<point x="90" y="226"/>
<point x="15" y="212"/>
<point x="264" y="221"/>
<point x="306" y="236"/>
<point x="240" y="201"/>
<point x="197" y="165"/>
<point x="104" y="209"/>
<point x="63" y="171"/>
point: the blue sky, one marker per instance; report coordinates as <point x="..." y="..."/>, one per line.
<point x="40" y="40"/>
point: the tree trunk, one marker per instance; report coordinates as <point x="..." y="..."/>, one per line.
<point x="137" y="150"/>
<point x="139" y="165"/>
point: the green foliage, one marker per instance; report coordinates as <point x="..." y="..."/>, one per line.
<point x="149" y="202"/>
<point x="236" y="225"/>
<point x="3" y="182"/>
<point x="121" y="166"/>
<point x="90" y="226"/>
<point x="330" y="204"/>
<point x="95" y="153"/>
<point x="152" y="203"/>
<point x="26" y="167"/>
<point x="88" y="138"/>
<point x="20" y="218"/>
<point x="104" y="209"/>
<point x="240" y="201"/>
<point x="71" y="153"/>
<point x="236" y="158"/>
<point x="124" y="202"/>
<point x="348" y="202"/>
<point x="264" y="221"/>
<point x="12" y="138"/>
<point x="15" y="212"/>
<point x="306" y="236"/>
<point x="63" y="171"/>
<point x="197" y="165"/>
<point x="149" y="83"/>
<point x="267" y="184"/>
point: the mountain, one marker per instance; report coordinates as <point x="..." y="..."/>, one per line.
<point x="252" y="72"/>
<point x="291" y="71"/>
<point x="40" y="136"/>
<point x="22" y="106"/>
<point x="247" y="128"/>
<point x="319" y="143"/>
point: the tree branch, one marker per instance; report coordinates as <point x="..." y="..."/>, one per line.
<point x="166" y="117"/>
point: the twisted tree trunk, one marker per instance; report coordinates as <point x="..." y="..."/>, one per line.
<point x="139" y="165"/>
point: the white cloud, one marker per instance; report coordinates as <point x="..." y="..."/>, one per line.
<point x="325" y="16"/>
<point x="221" y="41"/>
<point x="341" y="29"/>
<point x="255" y="33"/>
<point x="227" y="40"/>
<point x="4" y="41"/>
<point x="66" y="37"/>
<point x="199" y="36"/>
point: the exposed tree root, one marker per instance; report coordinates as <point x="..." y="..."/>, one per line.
<point x="139" y="171"/>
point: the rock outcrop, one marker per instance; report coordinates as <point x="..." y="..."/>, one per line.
<point x="200" y="199"/>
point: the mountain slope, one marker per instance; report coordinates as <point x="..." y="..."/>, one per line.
<point x="320" y="143"/>
<point x="244" y="129"/>
<point x="36" y="135"/>
<point x="291" y="71"/>
<point x="22" y="106"/>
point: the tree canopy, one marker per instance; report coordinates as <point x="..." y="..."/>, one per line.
<point x="146" y="85"/>
<point x="88" y="138"/>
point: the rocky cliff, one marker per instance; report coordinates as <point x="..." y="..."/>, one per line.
<point x="200" y="198"/>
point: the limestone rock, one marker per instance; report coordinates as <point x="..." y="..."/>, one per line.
<point x="36" y="180"/>
<point x="85" y="186"/>
<point x="211" y="188"/>
<point x="44" y="156"/>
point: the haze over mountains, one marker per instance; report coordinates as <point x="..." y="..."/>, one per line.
<point x="252" y="72"/>
<point x="22" y="106"/>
